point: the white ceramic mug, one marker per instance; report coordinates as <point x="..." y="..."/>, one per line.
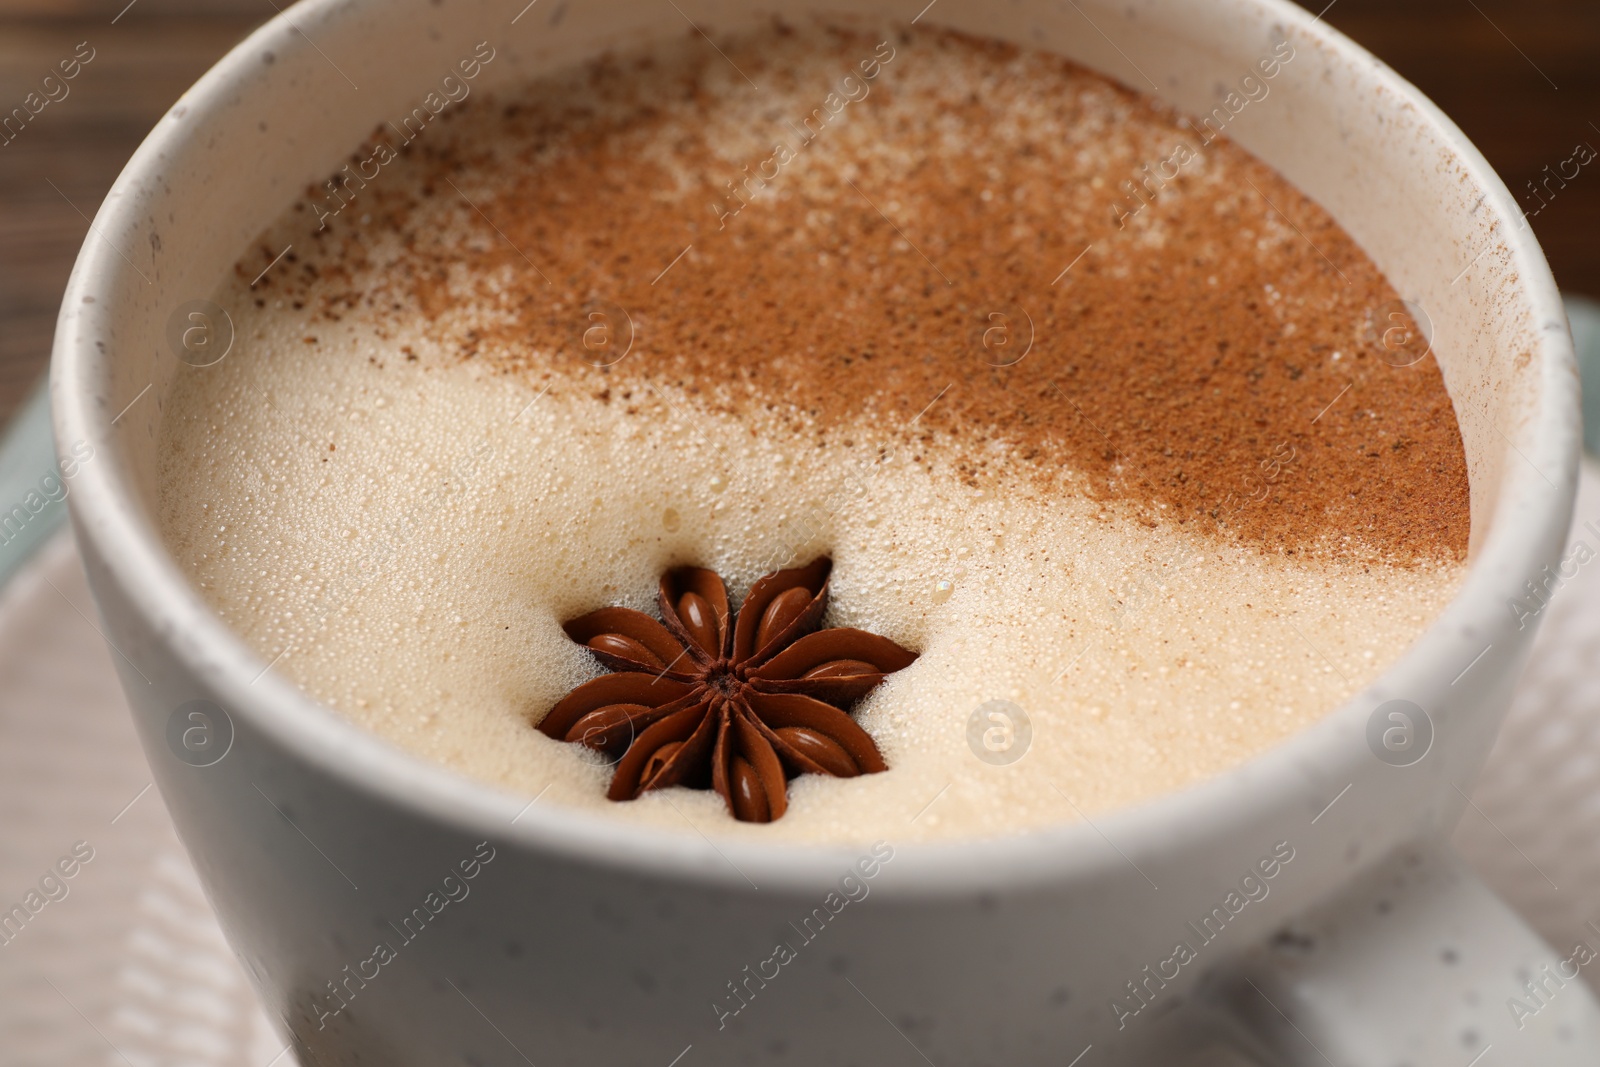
<point x="1301" y="907"/>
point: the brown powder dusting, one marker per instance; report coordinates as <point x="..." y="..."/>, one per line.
<point x="832" y="254"/>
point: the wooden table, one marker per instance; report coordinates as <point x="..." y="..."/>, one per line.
<point x="1521" y="77"/>
<point x="56" y="171"/>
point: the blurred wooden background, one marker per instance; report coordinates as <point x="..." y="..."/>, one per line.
<point x="1521" y="77"/>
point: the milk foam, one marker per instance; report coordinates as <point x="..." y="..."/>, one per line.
<point x="405" y="540"/>
<point x="401" y="533"/>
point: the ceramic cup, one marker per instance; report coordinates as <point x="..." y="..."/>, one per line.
<point x="1301" y="908"/>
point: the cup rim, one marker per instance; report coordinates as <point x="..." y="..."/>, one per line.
<point x="1531" y="516"/>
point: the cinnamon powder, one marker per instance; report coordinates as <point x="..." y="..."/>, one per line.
<point x="1203" y="350"/>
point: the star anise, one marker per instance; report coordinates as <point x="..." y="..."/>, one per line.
<point x="705" y="700"/>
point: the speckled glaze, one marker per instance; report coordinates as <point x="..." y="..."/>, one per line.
<point x="584" y="941"/>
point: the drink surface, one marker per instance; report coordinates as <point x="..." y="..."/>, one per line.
<point x="1089" y="407"/>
